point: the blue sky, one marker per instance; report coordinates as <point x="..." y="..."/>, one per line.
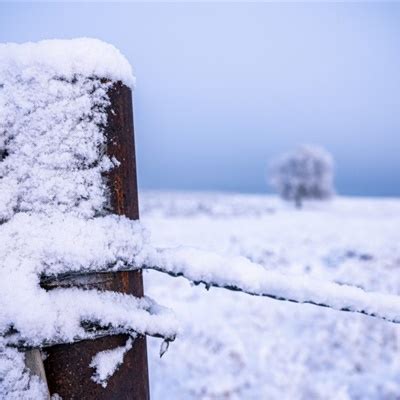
<point x="224" y="87"/>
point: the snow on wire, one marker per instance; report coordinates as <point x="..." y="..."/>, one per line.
<point x="242" y="275"/>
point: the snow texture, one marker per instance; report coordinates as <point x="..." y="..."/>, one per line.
<point x="16" y="382"/>
<point x="244" y="347"/>
<point x="36" y="245"/>
<point x="240" y="274"/>
<point x="107" y="362"/>
<point x="52" y="144"/>
<point x="67" y="58"/>
<point x="54" y="201"/>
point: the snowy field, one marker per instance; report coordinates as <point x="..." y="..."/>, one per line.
<point x="234" y="346"/>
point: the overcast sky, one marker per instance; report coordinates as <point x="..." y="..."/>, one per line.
<point x="223" y="88"/>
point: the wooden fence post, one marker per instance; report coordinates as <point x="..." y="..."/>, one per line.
<point x="67" y="365"/>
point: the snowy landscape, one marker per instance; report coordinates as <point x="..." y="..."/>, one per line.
<point x="234" y="346"/>
<point x="247" y="296"/>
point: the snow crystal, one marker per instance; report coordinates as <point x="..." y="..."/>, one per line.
<point x="107" y="362"/>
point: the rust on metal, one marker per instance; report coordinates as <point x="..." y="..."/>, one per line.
<point x="67" y="366"/>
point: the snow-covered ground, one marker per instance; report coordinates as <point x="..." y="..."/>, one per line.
<point x="234" y="346"/>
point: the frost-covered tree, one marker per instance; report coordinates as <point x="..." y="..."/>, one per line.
<point x="305" y="173"/>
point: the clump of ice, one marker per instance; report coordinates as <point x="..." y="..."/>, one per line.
<point x="107" y="362"/>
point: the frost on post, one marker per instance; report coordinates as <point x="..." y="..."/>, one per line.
<point x="306" y="173"/>
<point x="54" y="200"/>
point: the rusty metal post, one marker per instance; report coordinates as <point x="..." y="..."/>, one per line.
<point x="67" y="366"/>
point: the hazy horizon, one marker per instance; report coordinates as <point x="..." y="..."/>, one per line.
<point x="223" y="88"/>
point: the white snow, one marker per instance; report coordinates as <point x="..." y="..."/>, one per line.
<point x="107" y="362"/>
<point x="34" y="245"/>
<point x="16" y="382"/>
<point x="53" y="144"/>
<point x="238" y="273"/>
<point x="53" y="195"/>
<point x="66" y="59"/>
<point x="53" y="200"/>
<point x="68" y="308"/>
<point x="237" y="346"/>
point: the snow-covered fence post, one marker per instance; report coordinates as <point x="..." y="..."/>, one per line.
<point x="67" y="365"/>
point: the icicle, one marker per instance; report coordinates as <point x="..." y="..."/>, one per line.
<point x="164" y="347"/>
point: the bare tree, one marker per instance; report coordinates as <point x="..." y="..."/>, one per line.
<point x="305" y="173"/>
